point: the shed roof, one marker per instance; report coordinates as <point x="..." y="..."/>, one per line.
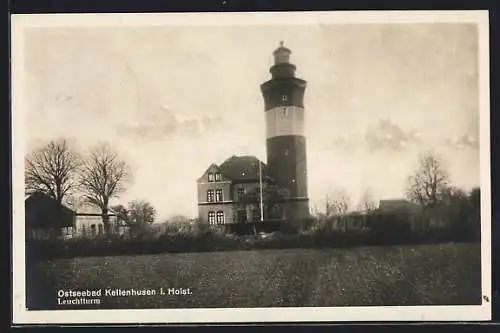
<point x="43" y="211"/>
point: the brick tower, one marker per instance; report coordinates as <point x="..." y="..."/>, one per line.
<point x="286" y="143"/>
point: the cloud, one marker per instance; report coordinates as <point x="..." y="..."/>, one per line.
<point x="462" y="142"/>
<point x="166" y="122"/>
<point x="387" y="135"/>
<point x="384" y="135"/>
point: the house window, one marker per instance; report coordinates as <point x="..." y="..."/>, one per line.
<point x="92" y="229"/>
<point x="284" y="98"/>
<point x="67" y="232"/>
<point x="210" y="195"/>
<point x="218" y="195"/>
<point x="220" y="217"/>
<point x="241" y="194"/>
<point x="210" y="177"/>
<point x="218" y="177"/>
<point x="211" y="217"/>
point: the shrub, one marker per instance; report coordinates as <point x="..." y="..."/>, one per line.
<point x="198" y="237"/>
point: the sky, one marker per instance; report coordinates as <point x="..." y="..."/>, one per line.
<point x="174" y="99"/>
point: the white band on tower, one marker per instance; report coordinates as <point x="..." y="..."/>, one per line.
<point x="285" y="120"/>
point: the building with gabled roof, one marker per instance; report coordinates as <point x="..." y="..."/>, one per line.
<point x="243" y="168"/>
<point x="46" y="218"/>
<point x="394" y="206"/>
<point x="230" y="192"/>
<point x="88" y="221"/>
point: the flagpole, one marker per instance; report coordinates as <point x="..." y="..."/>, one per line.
<point x="260" y="186"/>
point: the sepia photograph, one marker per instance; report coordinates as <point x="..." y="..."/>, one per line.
<point x="251" y="167"/>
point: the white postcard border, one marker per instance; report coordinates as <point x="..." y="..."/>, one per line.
<point x="235" y="315"/>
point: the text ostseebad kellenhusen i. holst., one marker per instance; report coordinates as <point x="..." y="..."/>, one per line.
<point x="96" y="296"/>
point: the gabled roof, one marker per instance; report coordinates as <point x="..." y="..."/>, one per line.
<point x="243" y="168"/>
<point x="396" y="205"/>
<point x="212" y="167"/>
<point x="87" y="209"/>
<point x="43" y="211"/>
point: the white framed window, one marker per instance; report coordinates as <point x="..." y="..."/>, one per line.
<point x="284" y="98"/>
<point x="210" y="195"/>
<point x="220" y="217"/>
<point x="210" y="177"/>
<point x="218" y="176"/>
<point x="211" y="217"/>
<point x="219" y="195"/>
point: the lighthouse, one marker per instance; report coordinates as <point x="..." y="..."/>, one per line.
<point x="285" y="132"/>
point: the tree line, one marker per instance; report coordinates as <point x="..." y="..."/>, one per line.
<point x="441" y="203"/>
<point x="437" y="203"/>
<point x="97" y="176"/>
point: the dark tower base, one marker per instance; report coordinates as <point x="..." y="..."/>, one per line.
<point x="297" y="210"/>
<point x="287" y="164"/>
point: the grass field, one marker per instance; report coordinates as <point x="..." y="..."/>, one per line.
<point x="406" y="275"/>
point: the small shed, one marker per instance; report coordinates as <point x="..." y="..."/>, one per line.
<point x="45" y="218"/>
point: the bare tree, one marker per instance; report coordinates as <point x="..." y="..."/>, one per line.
<point x="429" y="182"/>
<point x="103" y="177"/>
<point x="340" y="203"/>
<point x="75" y="202"/>
<point x="178" y="218"/>
<point x="336" y="203"/>
<point x="328" y="207"/>
<point x="52" y="169"/>
<point x="367" y="202"/>
<point x="337" y="206"/>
